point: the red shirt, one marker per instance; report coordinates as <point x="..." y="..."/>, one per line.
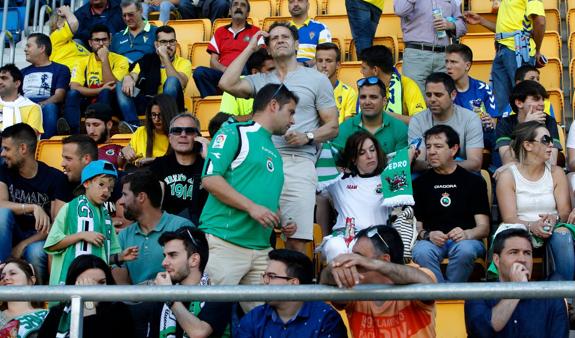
<point x="229" y="45"/>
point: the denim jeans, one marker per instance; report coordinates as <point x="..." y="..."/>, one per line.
<point x="363" y="19"/>
<point x="206" y="80"/>
<point x="214" y="9"/>
<point x="132" y="106"/>
<point x="165" y="8"/>
<point x="461" y="256"/>
<point x="50" y="113"/>
<point x="503" y="75"/>
<point x="561" y="244"/>
<point x="75" y="102"/>
<point x="11" y="234"/>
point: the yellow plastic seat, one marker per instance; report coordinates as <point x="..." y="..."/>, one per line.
<point x="552" y="74"/>
<point x="266" y="24"/>
<point x="481" y="70"/>
<point x="482" y="45"/>
<point x="190" y="31"/>
<point x="259" y="10"/>
<point x="199" y="55"/>
<point x="50" y="152"/>
<point x="450" y="318"/>
<point x="388" y="41"/>
<point x="390" y="25"/>
<point x="557" y="100"/>
<point x="339" y="27"/>
<point x="552" y="20"/>
<point x="480" y="6"/>
<point x="221" y="22"/>
<point x="205" y="109"/>
<point x="349" y="73"/>
<point x="174" y="15"/>
<point x="312" y="12"/>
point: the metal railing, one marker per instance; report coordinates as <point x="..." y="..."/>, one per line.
<point x="79" y="294"/>
<point x="6" y="34"/>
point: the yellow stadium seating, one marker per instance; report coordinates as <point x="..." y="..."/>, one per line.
<point x="481" y="70"/>
<point x="220" y="22"/>
<point x="570" y="4"/>
<point x="450" y="319"/>
<point x="205" y="109"/>
<point x="190" y="31"/>
<point x="337" y="7"/>
<point x="572" y="73"/>
<point x="390" y="25"/>
<point x="338" y="26"/>
<point x="552" y="20"/>
<point x="269" y="21"/>
<point x="388" y="41"/>
<point x="156" y="23"/>
<point x="50" y="152"/>
<point x="551" y="47"/>
<point x="480" y="6"/>
<point x="399" y="66"/>
<point x="571" y="20"/>
<point x="259" y="10"/>
<point x="482" y="45"/>
<point x="571" y="46"/>
<point x="314" y="9"/>
<point x="480" y="29"/>
<point x="558" y="102"/>
<point x="552" y="74"/>
<point x="174" y="15"/>
<point x="121" y="139"/>
<point x="551" y="4"/>
<point x="487" y="178"/>
<point x="349" y="72"/>
<point x="199" y="55"/>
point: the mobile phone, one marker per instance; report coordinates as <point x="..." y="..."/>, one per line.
<point x="416" y="142"/>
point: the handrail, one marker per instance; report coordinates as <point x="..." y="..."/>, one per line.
<point x="36" y="15"/>
<point x="27" y="19"/>
<point x="79" y="294"/>
<point x="4" y="16"/>
<point x="3" y="35"/>
<point x="45" y="9"/>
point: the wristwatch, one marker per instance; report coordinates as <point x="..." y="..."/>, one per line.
<point x="310" y="137"/>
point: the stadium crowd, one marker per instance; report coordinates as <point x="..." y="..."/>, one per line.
<point x="415" y="167"/>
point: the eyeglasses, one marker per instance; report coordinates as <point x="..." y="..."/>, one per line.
<point x="156" y="115"/>
<point x="129" y="14"/>
<point x="372" y="232"/>
<point x="167" y="42"/>
<point x="545" y="140"/>
<point x="269" y="276"/>
<point x="372" y="80"/>
<point x="186" y="130"/>
<point x="104" y="40"/>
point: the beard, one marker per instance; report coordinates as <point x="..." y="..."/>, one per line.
<point x="103" y="137"/>
<point x="130" y="214"/>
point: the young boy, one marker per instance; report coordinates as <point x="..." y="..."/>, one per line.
<point x="83" y="226"/>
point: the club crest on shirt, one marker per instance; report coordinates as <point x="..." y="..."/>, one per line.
<point x="247" y="38"/>
<point x="445" y="200"/>
<point x="110" y="152"/>
<point x="270" y="165"/>
<point x="311" y="35"/>
<point x="378" y="189"/>
<point x="220" y="141"/>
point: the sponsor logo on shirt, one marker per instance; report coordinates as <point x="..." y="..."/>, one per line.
<point x="351" y="186"/>
<point x="270" y="165"/>
<point x="123" y="41"/>
<point x="220" y="141"/>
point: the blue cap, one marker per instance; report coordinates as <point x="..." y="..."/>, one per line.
<point x="99" y="167"/>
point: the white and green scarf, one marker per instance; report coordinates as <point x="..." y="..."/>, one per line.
<point x="27" y="324"/>
<point x="396" y="180"/>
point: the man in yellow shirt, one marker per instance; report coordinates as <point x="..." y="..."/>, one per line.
<point x="15" y="108"/>
<point x="404" y="99"/>
<point x="65" y="50"/>
<point x="363" y="16"/>
<point x="155" y="73"/>
<point x="94" y="77"/>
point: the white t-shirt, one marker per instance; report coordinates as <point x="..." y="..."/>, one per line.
<point x="571" y="137"/>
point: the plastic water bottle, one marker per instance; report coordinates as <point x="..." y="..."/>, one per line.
<point x="438" y="14"/>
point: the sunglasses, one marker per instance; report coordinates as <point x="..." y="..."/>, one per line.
<point x="186" y="130"/>
<point x="184" y="231"/>
<point x="277" y="91"/>
<point x="372" y="232"/>
<point x="545" y="140"/>
<point x="372" y="80"/>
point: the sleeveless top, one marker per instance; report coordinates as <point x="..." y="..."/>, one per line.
<point x="534" y="197"/>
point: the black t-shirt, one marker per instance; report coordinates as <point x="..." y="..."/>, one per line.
<point x="183" y="188"/>
<point x="48" y="185"/>
<point x="506" y="126"/>
<point x="444" y="202"/>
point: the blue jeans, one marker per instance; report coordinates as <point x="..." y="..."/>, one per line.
<point x="206" y="80"/>
<point x="363" y="20"/>
<point x="165" y="8"/>
<point x="75" y="101"/>
<point x="461" y="256"/>
<point x="50" y="113"/>
<point x="503" y="75"/>
<point x="561" y="244"/>
<point x="214" y="9"/>
<point x="11" y="234"/>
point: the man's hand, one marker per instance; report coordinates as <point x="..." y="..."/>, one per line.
<point x="539" y="63"/>
<point x="108" y="85"/>
<point x="128" y="85"/>
<point x="295" y="138"/>
<point x="289" y="229"/>
<point x="205" y="144"/>
<point x="102" y="53"/>
<point x="457" y="234"/>
<point x="42" y="223"/>
<point x="254" y="45"/>
<point x="441" y="24"/>
<point x="162" y="52"/>
<point x="130" y="254"/>
<point x="519" y="273"/>
<point x="535" y="115"/>
<point x="93" y="237"/>
<point x="63" y="11"/>
<point x="487" y="121"/>
<point x="571" y="218"/>
<point x="472" y="18"/>
<point x="163" y="278"/>
<point x="264" y="216"/>
<point x="129" y="153"/>
<point x="344" y="269"/>
<point x="438" y="238"/>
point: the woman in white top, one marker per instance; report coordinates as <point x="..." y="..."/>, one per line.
<point x="534" y="193"/>
<point x="357" y="194"/>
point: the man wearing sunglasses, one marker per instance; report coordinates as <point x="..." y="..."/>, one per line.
<point x="527" y="101"/>
<point x="377" y="258"/>
<point x="137" y="39"/>
<point x="291" y="319"/>
<point x="180" y="171"/>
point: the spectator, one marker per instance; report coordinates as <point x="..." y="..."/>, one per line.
<point x="311" y="33"/>
<point x="217" y="121"/>
<point x="403" y="95"/>
<point x="164" y="6"/>
<point x="214" y="9"/>
<point x="512" y="255"/>
<point x="137" y="39"/>
<point x="517" y="21"/>
<point x="241" y="109"/>
<point x="364" y="160"/>
<point x="390" y="133"/>
<point x="101" y="319"/>
<point x="316" y="114"/>
<point x="107" y="12"/>
<point x="378" y="254"/>
<point x="83" y="226"/>
<point x="536" y="194"/>
<point x="142" y="200"/>
<point x="239" y="215"/>
<point x="45" y="82"/>
<point x="156" y="73"/>
<point x="151" y="141"/>
<point x="529" y="72"/>
<point x="363" y="16"/>
<point x="65" y="50"/>
<point x="19" y="319"/>
<point x="31" y="194"/>
<point x="15" y="107"/>
<point x="527" y="101"/>
<point x="304" y="319"/>
<point x="452" y="210"/>
<point x="226" y="44"/>
<point x="185" y="257"/>
<point x="440" y="92"/>
<point x="180" y="171"/>
<point x="328" y="61"/>
<point x="98" y="127"/>
<point x="428" y="27"/>
<point x="94" y="77"/>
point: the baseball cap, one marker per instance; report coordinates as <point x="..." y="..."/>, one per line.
<point x="99" y="167"/>
<point x="100" y="111"/>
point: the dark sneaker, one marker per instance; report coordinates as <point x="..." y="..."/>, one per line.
<point x="126" y="128"/>
<point x="62" y="127"/>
